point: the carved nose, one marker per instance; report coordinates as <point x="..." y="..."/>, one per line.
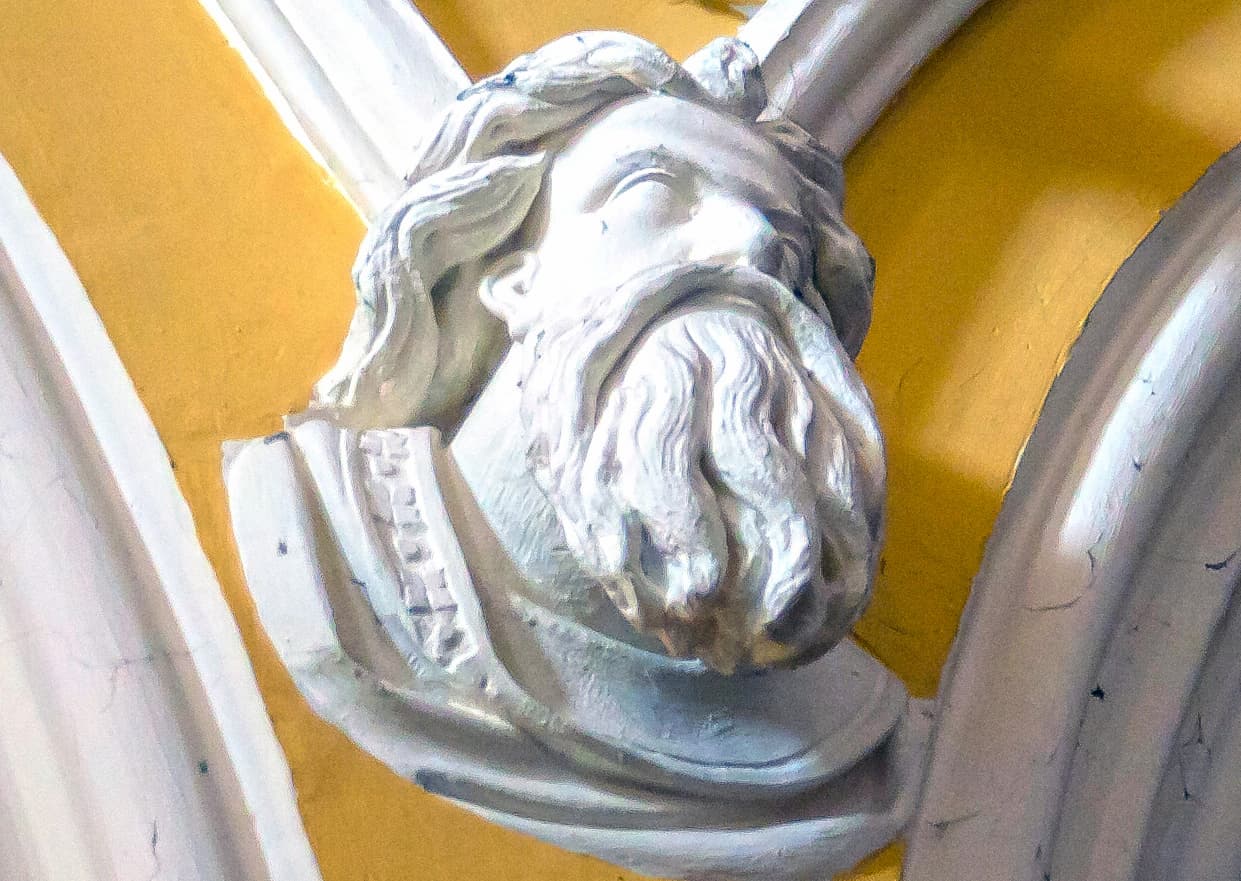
<point x="740" y="232"/>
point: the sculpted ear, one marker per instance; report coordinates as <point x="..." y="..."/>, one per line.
<point x="505" y="290"/>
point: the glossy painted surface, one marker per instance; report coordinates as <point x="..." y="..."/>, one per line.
<point x="998" y="195"/>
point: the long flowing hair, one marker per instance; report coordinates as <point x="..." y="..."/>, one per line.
<point x="472" y="187"/>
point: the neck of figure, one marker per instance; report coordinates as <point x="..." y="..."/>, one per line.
<point x="489" y="450"/>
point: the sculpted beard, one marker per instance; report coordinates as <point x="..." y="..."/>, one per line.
<point x="703" y="469"/>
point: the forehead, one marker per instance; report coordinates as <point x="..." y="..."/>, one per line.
<point x="725" y="149"/>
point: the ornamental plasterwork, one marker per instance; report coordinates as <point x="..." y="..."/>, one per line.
<point x="595" y="473"/>
<point x="574" y="532"/>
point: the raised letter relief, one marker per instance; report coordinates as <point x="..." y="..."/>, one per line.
<point x="575" y="530"/>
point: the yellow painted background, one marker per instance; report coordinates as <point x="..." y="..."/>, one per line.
<point x="999" y="194"/>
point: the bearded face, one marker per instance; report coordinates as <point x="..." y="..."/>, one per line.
<point x="702" y="437"/>
<point x="702" y="468"/>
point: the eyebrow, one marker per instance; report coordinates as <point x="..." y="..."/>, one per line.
<point x="790" y="223"/>
<point x="627" y="163"/>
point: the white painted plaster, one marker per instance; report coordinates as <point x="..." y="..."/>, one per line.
<point x="1087" y="724"/>
<point x="133" y="741"/>
<point x="612" y="608"/>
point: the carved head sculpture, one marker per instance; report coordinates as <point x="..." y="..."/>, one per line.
<point x="633" y="306"/>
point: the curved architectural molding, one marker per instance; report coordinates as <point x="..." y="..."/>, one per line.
<point x="833" y="65"/>
<point x="1089" y="724"/>
<point x="359" y="82"/>
<point x="356" y="82"/>
<point x="133" y="741"/>
<point x="576" y="529"/>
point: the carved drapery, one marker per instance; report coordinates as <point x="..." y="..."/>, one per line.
<point x="1119" y="538"/>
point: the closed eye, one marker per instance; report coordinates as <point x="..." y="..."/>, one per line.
<point x="642" y="175"/>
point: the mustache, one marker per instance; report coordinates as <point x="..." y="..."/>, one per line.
<point x="694" y="432"/>
<point x="572" y="362"/>
<point x="600" y="334"/>
<point x="572" y="359"/>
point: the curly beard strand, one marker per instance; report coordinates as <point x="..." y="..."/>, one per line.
<point x="712" y="490"/>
